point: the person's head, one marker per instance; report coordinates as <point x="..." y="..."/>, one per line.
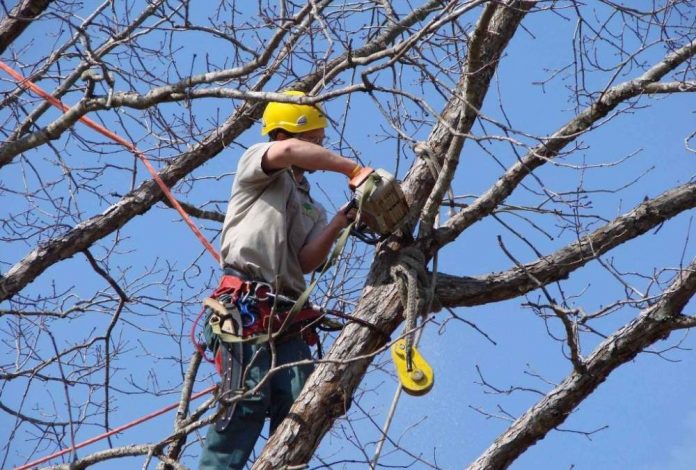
<point x="285" y="120"/>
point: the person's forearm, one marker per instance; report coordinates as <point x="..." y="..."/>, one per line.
<point x="306" y="155"/>
<point x="315" y="252"/>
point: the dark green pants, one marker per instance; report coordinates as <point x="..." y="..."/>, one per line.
<point x="231" y="448"/>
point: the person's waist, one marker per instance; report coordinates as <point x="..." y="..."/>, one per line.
<point x="228" y="270"/>
<point x="231" y="271"/>
<point x="263" y="307"/>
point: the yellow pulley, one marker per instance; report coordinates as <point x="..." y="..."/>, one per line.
<point x="417" y="381"/>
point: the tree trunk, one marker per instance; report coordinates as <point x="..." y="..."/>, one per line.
<point x="19" y="19"/>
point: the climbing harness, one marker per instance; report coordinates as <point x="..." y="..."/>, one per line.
<point x="244" y="311"/>
<point x="241" y="311"/>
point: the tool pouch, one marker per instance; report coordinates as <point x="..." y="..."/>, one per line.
<point x="224" y="323"/>
<point x="231" y="360"/>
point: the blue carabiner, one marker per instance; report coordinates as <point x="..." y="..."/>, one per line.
<point x="247" y="313"/>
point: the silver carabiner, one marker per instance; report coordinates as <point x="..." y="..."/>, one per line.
<point x="268" y="293"/>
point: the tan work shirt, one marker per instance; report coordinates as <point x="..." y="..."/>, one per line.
<point x="270" y="217"/>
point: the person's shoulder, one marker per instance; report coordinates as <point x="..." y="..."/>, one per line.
<point x="256" y="149"/>
<point x="260" y="145"/>
<point x="250" y="168"/>
<point x="252" y="156"/>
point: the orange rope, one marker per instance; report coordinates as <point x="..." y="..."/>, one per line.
<point x="26" y="83"/>
<point x="123" y="427"/>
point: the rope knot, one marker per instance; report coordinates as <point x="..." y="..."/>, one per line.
<point x="422" y="149"/>
<point x="415" y="291"/>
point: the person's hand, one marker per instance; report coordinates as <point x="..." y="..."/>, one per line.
<point x="346" y="214"/>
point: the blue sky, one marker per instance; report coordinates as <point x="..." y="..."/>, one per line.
<point x="647" y="406"/>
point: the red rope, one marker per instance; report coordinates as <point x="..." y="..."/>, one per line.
<point x="123" y="427"/>
<point x="26" y="83"/>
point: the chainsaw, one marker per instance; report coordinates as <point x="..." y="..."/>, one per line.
<point x="382" y="206"/>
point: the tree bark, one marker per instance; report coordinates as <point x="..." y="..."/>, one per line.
<point x="19" y="19"/>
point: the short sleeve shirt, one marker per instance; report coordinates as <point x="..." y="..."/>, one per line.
<point x="270" y="217"/>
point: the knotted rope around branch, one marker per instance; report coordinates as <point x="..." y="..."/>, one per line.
<point x="415" y="291"/>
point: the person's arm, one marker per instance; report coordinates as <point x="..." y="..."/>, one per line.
<point x="305" y="155"/>
<point x="313" y="254"/>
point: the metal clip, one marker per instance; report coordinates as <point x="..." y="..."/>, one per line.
<point x="266" y="294"/>
<point x="245" y="305"/>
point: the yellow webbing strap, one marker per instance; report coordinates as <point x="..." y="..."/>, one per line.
<point x="335" y="254"/>
<point x="420" y="379"/>
<point x="221" y="312"/>
<point x="215" y="322"/>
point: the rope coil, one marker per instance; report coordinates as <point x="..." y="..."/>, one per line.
<point x="414" y="289"/>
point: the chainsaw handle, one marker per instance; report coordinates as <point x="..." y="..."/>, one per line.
<point x="353" y="204"/>
<point x="358" y="177"/>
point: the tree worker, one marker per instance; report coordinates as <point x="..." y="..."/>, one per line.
<point x="274" y="233"/>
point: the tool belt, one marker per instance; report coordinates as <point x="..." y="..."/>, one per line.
<point x="249" y="311"/>
<point x="242" y="311"/>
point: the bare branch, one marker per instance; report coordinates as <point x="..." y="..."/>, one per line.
<point x="457" y="291"/>
<point x="652" y="325"/>
<point x="486" y="203"/>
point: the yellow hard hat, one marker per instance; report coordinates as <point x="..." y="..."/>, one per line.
<point x="294" y="118"/>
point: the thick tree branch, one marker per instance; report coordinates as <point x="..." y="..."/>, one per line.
<point x="455" y="291"/>
<point x="652" y="325"/>
<point x="671" y="87"/>
<point x="19" y="19"/>
<point x="507" y="183"/>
